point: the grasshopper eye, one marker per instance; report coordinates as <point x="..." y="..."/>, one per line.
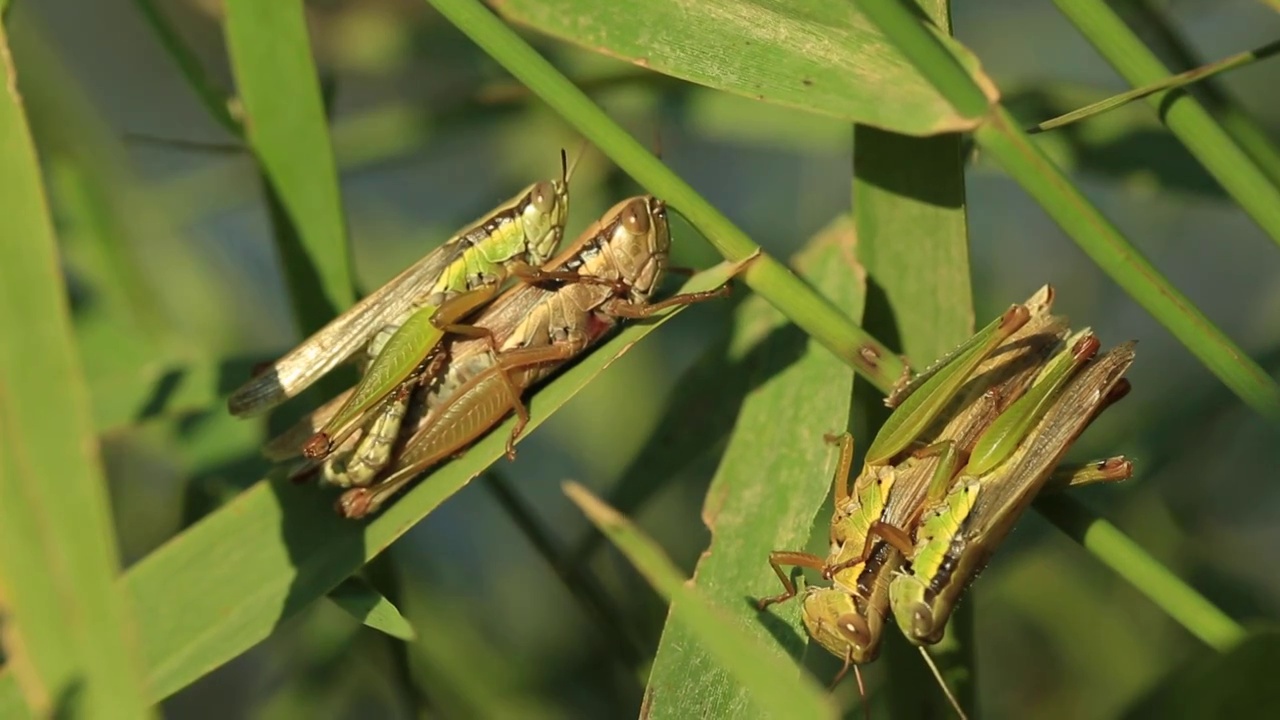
<point x="635" y="218"/>
<point x="543" y="197"/>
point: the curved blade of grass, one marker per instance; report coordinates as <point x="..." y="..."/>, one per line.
<point x="1182" y="79"/>
<point x="768" y="277"/>
<point x="286" y="127"/>
<point x="363" y="602"/>
<point x="815" y="55"/>
<point x="222" y="585"/>
<point x="1101" y="241"/>
<point x="776" y="688"/>
<point x="772" y="479"/>
<point x="1183" y="114"/>
<point x="69" y="636"/>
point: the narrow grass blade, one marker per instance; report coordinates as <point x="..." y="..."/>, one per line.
<point x="1182" y="79"/>
<point x="284" y="114"/>
<point x="1001" y="138"/>
<point x="1113" y="253"/>
<point x="361" y="601"/>
<point x="214" y="98"/>
<point x="776" y="688"/>
<point x="1168" y="41"/>
<point x="771" y="480"/>
<point x="226" y="582"/>
<point x="69" y="634"/>
<point x="1183" y="114"/>
<point x="770" y="278"/>
<point x="819" y="56"/>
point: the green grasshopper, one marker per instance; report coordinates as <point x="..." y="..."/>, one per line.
<point x="401" y="323"/>
<point x="964" y="521"/>
<point x="847" y="618"/>
<point x="608" y="274"/>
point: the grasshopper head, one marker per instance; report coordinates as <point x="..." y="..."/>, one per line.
<point x="638" y="242"/>
<point x="834" y="620"/>
<point x="913" y="612"/>
<point x="542" y="215"/>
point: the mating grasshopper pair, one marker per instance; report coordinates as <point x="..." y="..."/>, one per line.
<point x="970" y="444"/>
<point x="421" y="400"/>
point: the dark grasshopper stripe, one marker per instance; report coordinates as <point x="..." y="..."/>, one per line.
<point x="872" y="572"/>
<point x="933" y="560"/>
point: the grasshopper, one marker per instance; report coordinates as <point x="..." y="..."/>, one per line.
<point x="401" y="323"/>
<point x="608" y="274"/>
<point x="855" y="556"/>
<point x="976" y="383"/>
<point x="965" y="520"/>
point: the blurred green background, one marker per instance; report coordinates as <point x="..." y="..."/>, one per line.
<point x="429" y="133"/>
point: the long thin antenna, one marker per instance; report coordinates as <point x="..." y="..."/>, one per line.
<point x="567" y="168"/>
<point x="862" y="693"/>
<point x="955" y="704"/>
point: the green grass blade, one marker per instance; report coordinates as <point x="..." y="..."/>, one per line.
<point x="770" y="483"/>
<point x="816" y="315"/>
<point x="1183" y="114"/>
<point x="1003" y="140"/>
<point x="1182" y="79"/>
<point x="271" y="55"/>
<point x="363" y="602"/>
<point x="1246" y="131"/>
<point x="214" y="98"/>
<point x="819" y="56"/>
<point x="68" y="628"/>
<point x="226" y="582"/>
<point x="1188" y="607"/>
<point x="909" y="207"/>
<point x="777" y="689"/>
<point x="1113" y="253"/>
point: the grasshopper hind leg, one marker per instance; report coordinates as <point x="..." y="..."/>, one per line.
<point x="777" y="560"/>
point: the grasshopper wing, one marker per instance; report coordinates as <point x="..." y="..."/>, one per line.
<point x="344" y="335"/>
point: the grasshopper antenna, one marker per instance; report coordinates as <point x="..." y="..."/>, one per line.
<point x="937" y="674"/>
<point x="862" y="693"/>
<point x="566" y="167"/>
